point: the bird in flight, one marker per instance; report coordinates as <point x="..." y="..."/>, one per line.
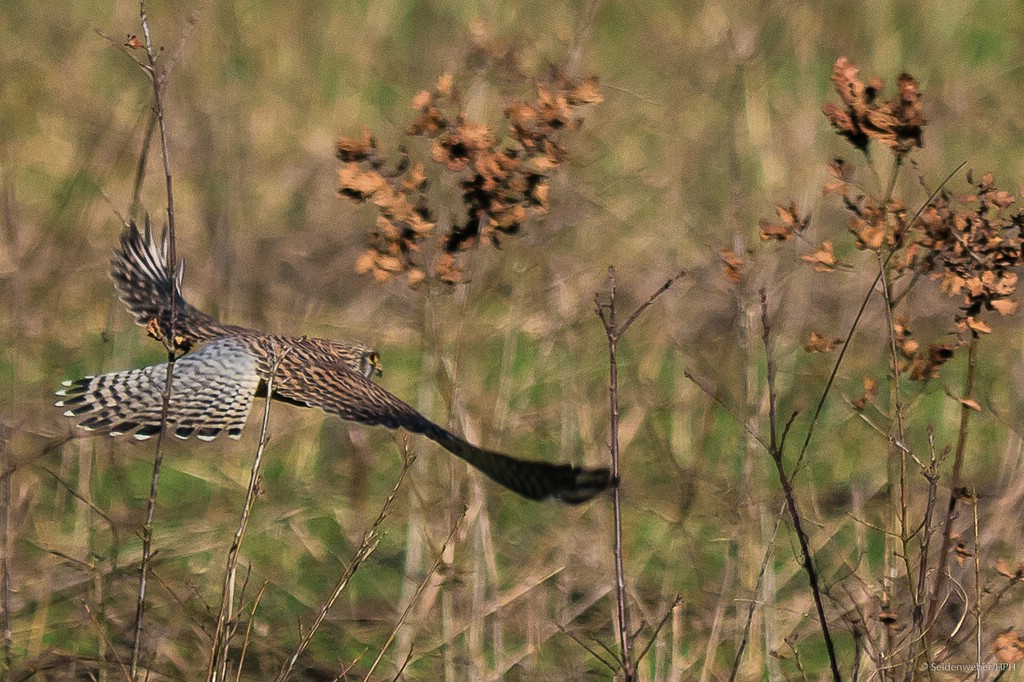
<point x="223" y="368"/>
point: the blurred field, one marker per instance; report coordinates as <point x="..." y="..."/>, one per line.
<point x="712" y="113"/>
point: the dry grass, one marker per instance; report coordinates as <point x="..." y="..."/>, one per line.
<point x="711" y="115"/>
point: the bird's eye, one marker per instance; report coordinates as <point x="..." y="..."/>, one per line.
<point x="373" y="364"/>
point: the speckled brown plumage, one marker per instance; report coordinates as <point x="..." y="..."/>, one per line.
<point x="214" y="385"/>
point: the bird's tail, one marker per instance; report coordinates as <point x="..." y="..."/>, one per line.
<point x="147" y="287"/>
<point x="531" y="479"/>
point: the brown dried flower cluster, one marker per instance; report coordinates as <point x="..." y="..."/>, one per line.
<point x="503" y="182"/>
<point x="404" y="218"/>
<point x="972" y="245"/>
<point x="897" y="123"/>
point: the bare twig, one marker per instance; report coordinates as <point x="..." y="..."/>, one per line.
<point x="5" y="549"/>
<point x="856" y="323"/>
<point x="366" y="548"/>
<point x="659" y="627"/>
<point x="718" y="401"/>
<point x="978" y="614"/>
<point x="754" y="598"/>
<point x="787" y="489"/>
<point x="103" y="634"/>
<point x="157" y="81"/>
<point x="248" y="630"/>
<point x="419" y="589"/>
<point x="954" y="482"/>
<point x="611" y="665"/>
<point x="222" y="632"/>
<point x="614" y="331"/>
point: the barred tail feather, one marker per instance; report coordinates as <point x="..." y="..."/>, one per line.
<point x="531" y="479"/>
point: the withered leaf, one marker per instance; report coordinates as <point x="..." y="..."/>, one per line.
<point x="356" y="148"/>
<point x="790" y="223"/>
<point x="823" y="259"/>
<point x="969" y="404"/>
<point x="1008" y="647"/>
<point x="733" y="265"/>
<point x="977" y="325"/>
<point x="925" y="366"/>
<point x="585" y="92"/>
<point x="415" y="276"/>
<point x="364" y="263"/>
<point x="1004" y="306"/>
<point x="869" y="236"/>
<point x="1003" y="568"/>
<point x="358" y="184"/>
<point x="962" y="552"/>
<point x="444" y="84"/>
<point x="821" y="344"/>
<point x="842" y="175"/>
<point x="870" y="393"/>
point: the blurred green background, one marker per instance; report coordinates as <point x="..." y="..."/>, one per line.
<point x="711" y="115"/>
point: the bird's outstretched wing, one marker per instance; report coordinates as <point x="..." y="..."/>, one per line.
<point x="147" y="287"/>
<point x="212" y="391"/>
<point x="332" y="387"/>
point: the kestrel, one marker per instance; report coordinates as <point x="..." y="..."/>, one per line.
<point x="224" y="368"/>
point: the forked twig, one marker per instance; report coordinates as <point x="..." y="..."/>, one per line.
<point x="222" y="633"/>
<point x="416" y="594"/>
<point x="157" y="80"/>
<point x="954" y="482"/>
<point x="248" y="630"/>
<point x="614" y="331"/>
<point x="856" y="323"/>
<point x="366" y="548"/>
<point x="776" y="453"/>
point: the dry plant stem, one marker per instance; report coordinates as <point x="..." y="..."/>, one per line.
<point x="954" y="483"/>
<point x="977" y="592"/>
<point x="140" y="169"/>
<point x="157" y="82"/>
<point x="369" y="544"/>
<point x="109" y="646"/>
<point x="753" y="600"/>
<point x="787" y="490"/>
<point x="415" y="596"/>
<point x="223" y="632"/>
<point x="5" y="548"/>
<point x="898" y="461"/>
<point x="614" y="331"/>
<point x="248" y="631"/>
<point x="856" y="323"/>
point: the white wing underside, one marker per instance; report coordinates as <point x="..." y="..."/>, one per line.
<point x="212" y="391"/>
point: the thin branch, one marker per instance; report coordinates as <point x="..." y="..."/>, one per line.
<point x="647" y="304"/>
<point x="416" y="594"/>
<point x="157" y="82"/>
<point x="248" y="630"/>
<point x="110" y="647"/>
<point x="753" y="601"/>
<point x="856" y="323"/>
<point x="658" y="628"/>
<point x="721" y="403"/>
<point x="787" y="489"/>
<point x="221" y="636"/>
<point x="608" y="664"/>
<point x="366" y="548"/>
<point x="954" y="483"/>
<point x="5" y="550"/>
<point x="614" y="331"/>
